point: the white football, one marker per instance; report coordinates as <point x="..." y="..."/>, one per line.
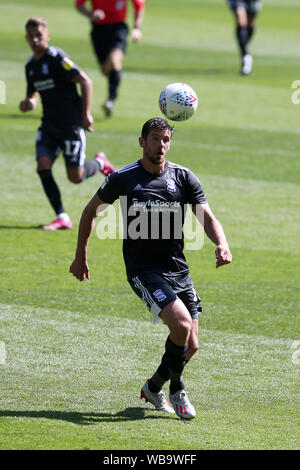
<point x="178" y="101"/>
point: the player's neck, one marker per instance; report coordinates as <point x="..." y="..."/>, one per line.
<point x="39" y="54"/>
<point x="153" y="168"/>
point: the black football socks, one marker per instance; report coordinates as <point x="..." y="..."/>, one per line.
<point x="51" y="190"/>
<point x="243" y="38"/>
<point x="113" y="83"/>
<point x="171" y="367"/>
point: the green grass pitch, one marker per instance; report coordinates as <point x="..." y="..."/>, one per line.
<point x="73" y="356"/>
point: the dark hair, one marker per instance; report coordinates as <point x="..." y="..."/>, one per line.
<point x="35" y="22"/>
<point x="156" y="123"/>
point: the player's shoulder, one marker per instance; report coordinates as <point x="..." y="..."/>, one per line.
<point x="176" y="165"/>
<point x="183" y="173"/>
<point x="127" y="170"/>
<point x="54" y="51"/>
<point x="178" y="168"/>
<point x="29" y="61"/>
<point x="56" y="54"/>
<point x="60" y="57"/>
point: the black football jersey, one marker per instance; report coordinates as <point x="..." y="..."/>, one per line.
<point x="153" y="209"/>
<point x="52" y="76"/>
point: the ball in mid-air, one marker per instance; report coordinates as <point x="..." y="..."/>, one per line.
<point x="178" y="101"/>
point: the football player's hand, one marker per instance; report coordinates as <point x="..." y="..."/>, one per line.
<point x="87" y="122"/>
<point x="80" y="269"/>
<point x="223" y="256"/>
<point x="136" y="35"/>
<point x="97" y="15"/>
<point x="26" y="105"/>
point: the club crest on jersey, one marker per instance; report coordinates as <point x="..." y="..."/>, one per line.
<point x="120" y="5"/>
<point x="171" y="185"/>
<point x="67" y="63"/>
<point x="45" y="69"/>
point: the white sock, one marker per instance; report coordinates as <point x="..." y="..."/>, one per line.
<point x="63" y="216"/>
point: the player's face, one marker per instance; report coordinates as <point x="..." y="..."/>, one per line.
<point x="156" y="146"/>
<point x="38" y="39"/>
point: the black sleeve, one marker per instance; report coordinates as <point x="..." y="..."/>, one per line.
<point x="65" y="66"/>
<point x="195" y="193"/>
<point x="109" y="190"/>
<point x="30" y="87"/>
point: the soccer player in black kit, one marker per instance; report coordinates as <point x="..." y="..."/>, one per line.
<point x="66" y="116"/>
<point x="155" y="264"/>
<point x="245" y="13"/>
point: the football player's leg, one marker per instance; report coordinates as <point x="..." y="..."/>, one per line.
<point x="78" y="169"/>
<point x="44" y="170"/>
<point x="251" y="25"/>
<point x="242" y="29"/>
<point x="179" y="321"/>
<point x="47" y="151"/>
<point x="193" y="343"/>
<point x="114" y="76"/>
<point x="112" y="68"/>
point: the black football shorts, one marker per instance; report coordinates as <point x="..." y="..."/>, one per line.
<point x="52" y="140"/>
<point x="106" y="37"/>
<point x="251" y="6"/>
<point x="157" y="291"/>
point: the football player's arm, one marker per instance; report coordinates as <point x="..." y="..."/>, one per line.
<point x="79" y="268"/>
<point x="29" y="102"/>
<point x="215" y="233"/>
<point x="86" y="99"/>
<point x="93" y="15"/>
<point x="136" y="32"/>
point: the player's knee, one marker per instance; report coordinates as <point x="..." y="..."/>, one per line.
<point x="193" y="349"/>
<point x="76" y="179"/>
<point x="105" y="69"/>
<point x="75" y="175"/>
<point x="183" y="329"/>
<point x="187" y="325"/>
<point x="43" y="164"/>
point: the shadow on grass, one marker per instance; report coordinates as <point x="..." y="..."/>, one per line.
<point x="29" y="117"/>
<point x="86" y="418"/>
<point x="221" y="71"/>
<point x="20" y="227"/>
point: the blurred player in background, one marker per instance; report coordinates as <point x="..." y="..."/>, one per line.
<point x="109" y="38"/>
<point x="66" y="116"/>
<point x="245" y="12"/>
<point x="150" y="190"/>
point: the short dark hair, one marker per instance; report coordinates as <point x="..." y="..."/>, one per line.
<point x="156" y="123"/>
<point x="35" y="22"/>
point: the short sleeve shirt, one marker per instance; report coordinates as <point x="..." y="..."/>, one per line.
<point x="115" y="10"/>
<point x="153" y="208"/>
<point x="52" y="76"/>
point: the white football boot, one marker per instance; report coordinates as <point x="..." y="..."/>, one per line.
<point x="159" y="399"/>
<point x="108" y="107"/>
<point x="182" y="405"/>
<point x="247" y="63"/>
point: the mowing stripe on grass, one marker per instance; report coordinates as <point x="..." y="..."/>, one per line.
<point x="65" y="369"/>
